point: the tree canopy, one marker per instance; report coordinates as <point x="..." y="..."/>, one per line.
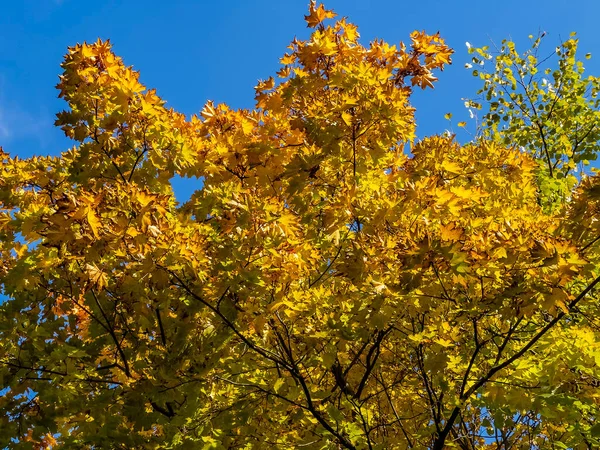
<point x="332" y="283"/>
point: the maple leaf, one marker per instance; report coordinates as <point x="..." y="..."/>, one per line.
<point x="317" y="14"/>
<point x="96" y="276"/>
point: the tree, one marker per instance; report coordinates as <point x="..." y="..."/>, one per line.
<point x="322" y="288"/>
<point x="555" y="119"/>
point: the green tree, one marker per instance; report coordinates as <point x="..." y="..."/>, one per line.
<point x="551" y="113"/>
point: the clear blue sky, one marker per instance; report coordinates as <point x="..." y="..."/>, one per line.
<point x="193" y="51"/>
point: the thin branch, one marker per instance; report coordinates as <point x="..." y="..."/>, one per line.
<point x="330" y="263"/>
<point x="371" y="361"/>
<point x="111" y="331"/>
<point x="163" y="337"/>
<point x="478" y="347"/>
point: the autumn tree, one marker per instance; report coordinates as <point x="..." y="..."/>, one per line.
<point x="323" y="287"/>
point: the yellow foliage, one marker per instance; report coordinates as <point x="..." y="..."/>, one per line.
<point x="321" y="288"/>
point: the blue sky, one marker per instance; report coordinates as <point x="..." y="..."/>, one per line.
<point x="193" y="51"/>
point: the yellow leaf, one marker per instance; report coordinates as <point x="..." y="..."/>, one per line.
<point x="247" y="126"/>
<point x="317" y="14"/>
<point x="500" y="253"/>
<point x="452" y="167"/>
<point x="96" y="276"/>
<point x="443" y="342"/>
<point x="20" y="249"/>
<point x="450" y="233"/>
<point x="347" y="118"/>
<point x="287" y="59"/>
<point x="94" y="222"/>
<point x="144" y="198"/>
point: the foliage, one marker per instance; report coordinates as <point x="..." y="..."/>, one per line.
<point x="321" y="289"/>
<point x="551" y="114"/>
